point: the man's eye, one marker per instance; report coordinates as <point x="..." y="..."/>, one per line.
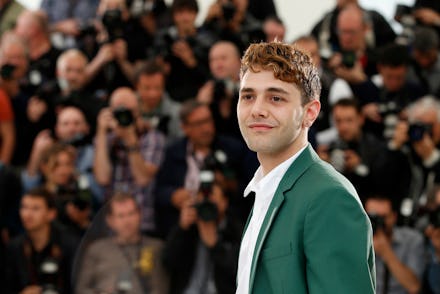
<point x="276" y="98"/>
<point x="246" y="97"/>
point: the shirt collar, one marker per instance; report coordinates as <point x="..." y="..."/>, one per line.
<point x="259" y="180"/>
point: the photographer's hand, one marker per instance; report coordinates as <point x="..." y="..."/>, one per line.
<point x="382" y="246"/>
<point x="352" y="160"/>
<point x="182" y="50"/>
<point x="354" y="75"/>
<point x="32" y="290"/>
<point x="427" y="16"/>
<point x="371" y="111"/>
<point x="179" y="197"/>
<point x="425" y="147"/>
<point x="188" y="214"/>
<point x="434" y="235"/>
<point x="208" y="232"/>
<point x="400" y="136"/>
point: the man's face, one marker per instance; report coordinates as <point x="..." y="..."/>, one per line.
<point x="70" y="123"/>
<point x="34" y="213"/>
<point x="393" y="77"/>
<point x="125" y="219"/>
<point x="185" y="19"/>
<point x="224" y="62"/>
<point x="15" y="54"/>
<point x="348" y="122"/>
<point x="351" y="31"/>
<point x="199" y="127"/>
<point x="72" y="71"/>
<point x="150" y="89"/>
<point x="425" y="59"/>
<point x="270" y="114"/>
<point x="60" y="168"/>
<point x="383" y="208"/>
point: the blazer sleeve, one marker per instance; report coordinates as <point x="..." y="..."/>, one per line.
<point x="338" y="244"/>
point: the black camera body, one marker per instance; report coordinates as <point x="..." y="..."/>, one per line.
<point x="77" y="192"/>
<point x="416" y="131"/>
<point x="377" y="222"/>
<point x="123" y="116"/>
<point x="49" y="270"/>
<point x="113" y="23"/>
<point x="434" y="217"/>
<point x="7" y="71"/>
<point x="206" y="210"/>
<point x="228" y="10"/>
<point x="348" y="58"/>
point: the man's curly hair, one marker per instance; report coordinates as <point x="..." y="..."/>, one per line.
<point x="287" y="63"/>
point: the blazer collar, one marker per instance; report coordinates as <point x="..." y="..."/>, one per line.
<point x="298" y="167"/>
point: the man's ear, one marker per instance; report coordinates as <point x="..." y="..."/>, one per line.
<point x="311" y="112"/>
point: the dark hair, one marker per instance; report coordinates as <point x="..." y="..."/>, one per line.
<point x="188" y="107"/>
<point x="394" y="55"/>
<point x="288" y="64"/>
<point x="348" y="102"/>
<point x="119" y="197"/>
<point x="425" y="39"/>
<point x="150" y="68"/>
<point x="382" y="197"/>
<point x="185" y="4"/>
<point x="42" y="193"/>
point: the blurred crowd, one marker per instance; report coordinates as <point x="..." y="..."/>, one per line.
<point x="122" y="167"/>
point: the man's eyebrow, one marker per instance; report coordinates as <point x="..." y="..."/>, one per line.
<point x="271" y="89"/>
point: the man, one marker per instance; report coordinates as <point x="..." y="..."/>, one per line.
<point x="186" y="157"/>
<point x="221" y="92"/>
<point x="126" y="262"/>
<point x="308" y="231"/>
<point x="201" y="251"/>
<point x="360" y="156"/>
<point x="41" y="259"/>
<point x="157" y="107"/>
<point x="127" y="155"/>
<point x="418" y="139"/>
<point x="425" y="69"/>
<point x="400" y="254"/>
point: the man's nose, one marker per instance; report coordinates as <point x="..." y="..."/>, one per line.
<point x="259" y="108"/>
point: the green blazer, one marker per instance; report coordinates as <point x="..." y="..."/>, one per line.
<point x="315" y="237"/>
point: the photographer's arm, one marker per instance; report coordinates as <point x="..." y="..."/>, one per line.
<point x="401" y="272"/>
<point x="7" y="135"/>
<point x="104" y="56"/>
<point x="102" y="167"/>
<point x="120" y="51"/>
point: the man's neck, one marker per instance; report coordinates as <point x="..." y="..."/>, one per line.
<point x="128" y="240"/>
<point x="269" y="161"/>
<point x="40" y="237"/>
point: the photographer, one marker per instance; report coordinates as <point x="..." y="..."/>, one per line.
<point x="40" y="260"/>
<point x="178" y="178"/>
<point x="54" y="168"/>
<point x="418" y="139"/>
<point x="157" y="108"/>
<point x="135" y="264"/>
<point x="183" y="48"/>
<point x="359" y="155"/>
<point x="230" y="20"/>
<point x="127" y="154"/>
<point x="400" y="254"/>
<point x="385" y="95"/>
<point x="201" y="252"/>
<point x="221" y="92"/>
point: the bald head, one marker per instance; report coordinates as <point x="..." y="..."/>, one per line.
<point x="124" y="97"/>
<point x="224" y="60"/>
<point x="32" y="24"/>
<point x="71" y="66"/>
<point x="351" y="28"/>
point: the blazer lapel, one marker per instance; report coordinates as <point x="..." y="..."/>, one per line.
<point x="298" y="167"/>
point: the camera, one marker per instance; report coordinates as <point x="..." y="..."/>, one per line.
<point x="206" y="210"/>
<point x="416" y="131"/>
<point x="228" y="11"/>
<point x="337" y="154"/>
<point x="49" y="270"/>
<point x="7" y="71"/>
<point x="434" y="217"/>
<point x="377" y="222"/>
<point x="123" y="116"/>
<point x="348" y="58"/>
<point x="77" y="192"/>
<point x="223" y="88"/>
<point x="113" y="23"/>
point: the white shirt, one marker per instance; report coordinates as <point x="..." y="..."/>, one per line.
<point x="264" y="188"/>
